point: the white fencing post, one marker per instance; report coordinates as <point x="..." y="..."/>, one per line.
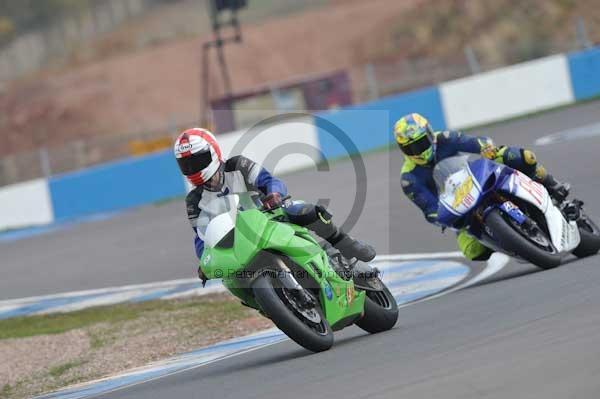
<point x="45" y="162"/>
<point x="472" y="60"/>
<point x="372" y="86"/>
<point x="583" y="41"/>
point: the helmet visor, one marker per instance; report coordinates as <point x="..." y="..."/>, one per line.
<point x="417" y="147"/>
<point x="195" y="163"/>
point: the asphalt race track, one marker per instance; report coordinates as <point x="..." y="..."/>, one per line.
<point x="531" y="337"/>
<point x="155" y="243"/>
<point x="525" y="334"/>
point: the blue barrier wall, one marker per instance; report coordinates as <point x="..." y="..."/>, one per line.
<point x="369" y="126"/>
<point x="584" y="67"/>
<point x="117" y="185"/>
<point x="360" y="128"/>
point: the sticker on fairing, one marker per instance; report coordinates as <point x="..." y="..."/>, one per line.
<point x="513" y="211"/>
<point x="461" y="193"/>
<point x="529" y="190"/>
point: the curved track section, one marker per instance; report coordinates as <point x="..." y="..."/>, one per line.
<point x="411" y="278"/>
<point x="521" y="333"/>
<point x="535" y="336"/>
<point x="524" y="333"/>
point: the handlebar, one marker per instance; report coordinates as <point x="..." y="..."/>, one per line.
<point x="283" y="199"/>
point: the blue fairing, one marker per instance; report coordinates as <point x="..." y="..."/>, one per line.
<point x="490" y="176"/>
<point x="445" y="217"/>
<point x="483" y="170"/>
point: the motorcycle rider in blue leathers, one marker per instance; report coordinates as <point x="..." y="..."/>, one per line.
<point x="423" y="148"/>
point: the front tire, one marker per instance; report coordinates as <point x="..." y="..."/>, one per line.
<point x="316" y="337"/>
<point x="515" y="242"/>
<point x="381" y="311"/>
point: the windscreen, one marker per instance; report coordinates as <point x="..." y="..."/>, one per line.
<point x="447" y="168"/>
<point x="230" y="204"/>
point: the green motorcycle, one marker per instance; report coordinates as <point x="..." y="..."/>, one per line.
<point x="279" y="269"/>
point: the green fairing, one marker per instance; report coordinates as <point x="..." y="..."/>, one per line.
<point x="256" y="231"/>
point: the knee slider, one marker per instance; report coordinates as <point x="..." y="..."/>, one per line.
<point x="540" y="173"/>
<point x="528" y="163"/>
<point x="529" y="158"/>
<point x="322" y="214"/>
<point x="319" y="221"/>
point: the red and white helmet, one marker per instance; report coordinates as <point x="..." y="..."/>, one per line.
<point x="198" y="155"/>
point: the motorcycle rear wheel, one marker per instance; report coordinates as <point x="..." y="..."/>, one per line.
<point x="381" y="311"/>
<point x="590" y="237"/>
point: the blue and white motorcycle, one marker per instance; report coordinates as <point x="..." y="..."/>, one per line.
<point x="510" y="213"/>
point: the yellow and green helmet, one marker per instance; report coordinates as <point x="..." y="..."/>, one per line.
<point x="415" y="138"/>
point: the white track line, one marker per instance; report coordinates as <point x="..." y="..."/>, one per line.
<point x="126" y="291"/>
<point x="496" y="263"/>
<point x="72" y="391"/>
<point x="418" y="256"/>
<point x="133" y="287"/>
<point x="582" y="132"/>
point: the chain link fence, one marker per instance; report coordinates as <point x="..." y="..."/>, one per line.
<point x="375" y="80"/>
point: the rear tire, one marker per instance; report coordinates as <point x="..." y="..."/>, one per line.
<point x="512" y="241"/>
<point x="381" y="311"/>
<point x="286" y="320"/>
<point x="590" y="238"/>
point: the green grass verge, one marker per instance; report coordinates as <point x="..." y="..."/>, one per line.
<point x="20" y="327"/>
<point x="6" y="391"/>
<point x="125" y="335"/>
<point x="59" y="370"/>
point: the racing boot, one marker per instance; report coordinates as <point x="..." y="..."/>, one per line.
<point x="572" y="209"/>
<point x="351" y="247"/>
<point x="559" y="191"/>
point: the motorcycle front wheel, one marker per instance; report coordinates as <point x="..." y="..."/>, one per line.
<point x="306" y="326"/>
<point x="533" y="246"/>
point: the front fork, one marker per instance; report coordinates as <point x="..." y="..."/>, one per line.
<point x="305" y="299"/>
<point x="506" y="206"/>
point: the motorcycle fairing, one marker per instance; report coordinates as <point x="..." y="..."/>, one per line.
<point x="484" y="176"/>
<point x="256" y="232"/>
<point x="564" y="234"/>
